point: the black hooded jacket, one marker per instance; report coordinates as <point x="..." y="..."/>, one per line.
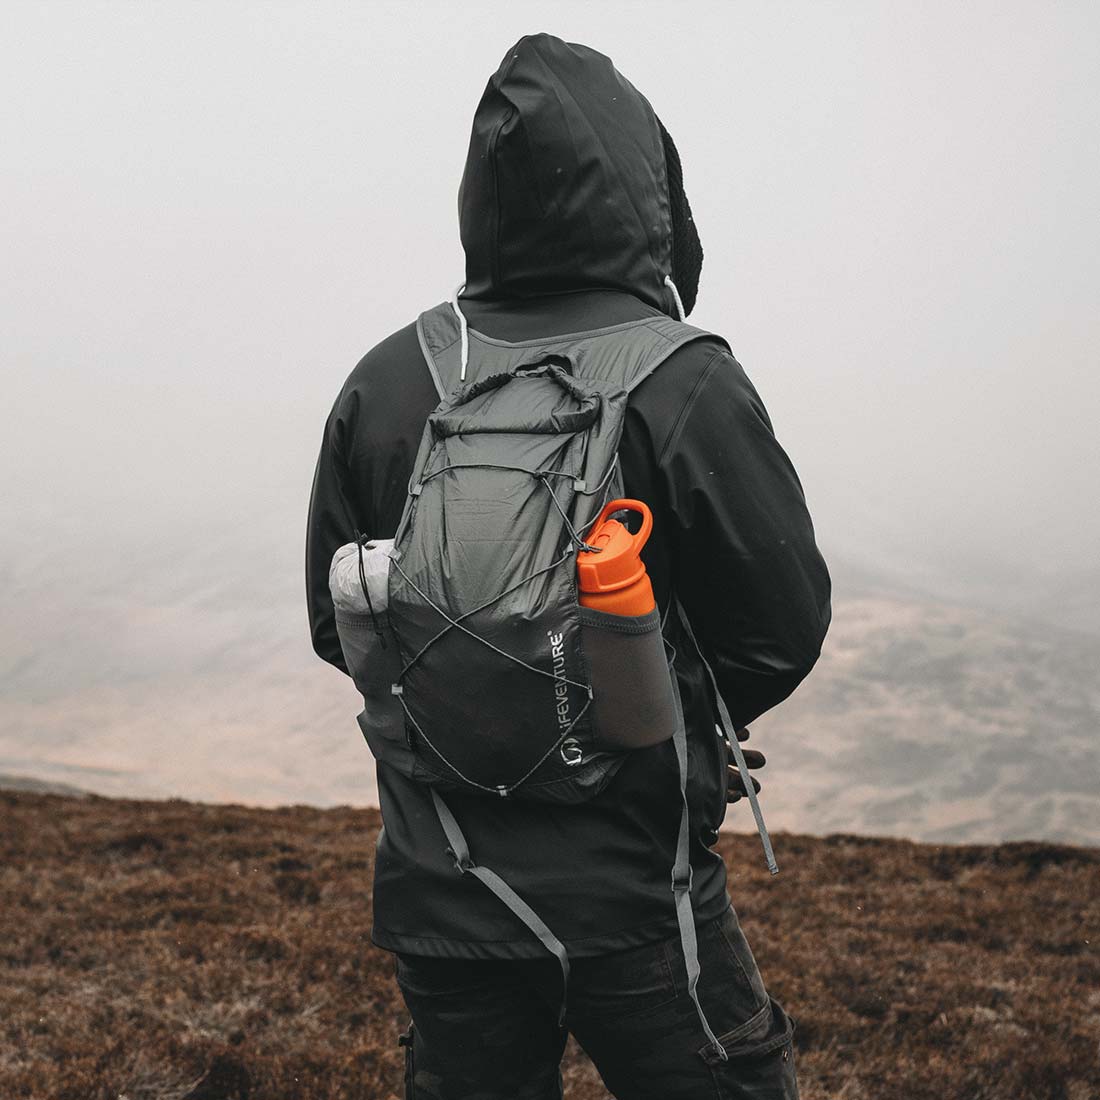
<point x="571" y="218"/>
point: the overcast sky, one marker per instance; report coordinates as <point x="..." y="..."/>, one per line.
<point x="211" y="211"/>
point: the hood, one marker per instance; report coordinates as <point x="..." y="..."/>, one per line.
<point x="566" y="184"/>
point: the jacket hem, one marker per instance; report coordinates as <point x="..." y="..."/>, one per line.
<point x="528" y="948"/>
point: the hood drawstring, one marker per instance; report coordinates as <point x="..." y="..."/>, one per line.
<point x="463" y="330"/>
<point x="676" y="297"/>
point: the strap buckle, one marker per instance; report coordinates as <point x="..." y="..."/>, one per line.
<point x="682" y="883"/>
<point x="463" y="864"/>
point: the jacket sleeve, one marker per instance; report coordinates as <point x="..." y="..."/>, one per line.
<point x="329" y="526"/>
<point x="747" y="569"/>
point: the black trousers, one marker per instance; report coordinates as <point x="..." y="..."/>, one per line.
<point x="488" y="1029"/>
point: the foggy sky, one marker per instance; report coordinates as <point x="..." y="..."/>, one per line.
<point x="210" y="212"/>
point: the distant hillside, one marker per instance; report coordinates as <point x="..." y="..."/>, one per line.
<point x="175" y="951"/>
<point x="39" y="786"/>
<point x="942" y="723"/>
<point x="190" y="673"/>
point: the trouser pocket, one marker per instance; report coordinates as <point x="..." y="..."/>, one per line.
<point x="632" y="701"/>
<point x="760" y="1059"/>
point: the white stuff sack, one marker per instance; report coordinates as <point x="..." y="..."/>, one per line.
<point x="344" y="582"/>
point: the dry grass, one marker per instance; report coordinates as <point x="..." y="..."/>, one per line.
<point x="163" y="950"/>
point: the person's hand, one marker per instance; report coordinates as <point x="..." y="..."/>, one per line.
<point x="735" y="784"/>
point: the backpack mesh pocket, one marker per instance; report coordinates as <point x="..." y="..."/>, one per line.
<point x="632" y="703"/>
<point x="374" y="663"/>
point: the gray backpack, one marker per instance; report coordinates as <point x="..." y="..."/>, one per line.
<point x="485" y="673"/>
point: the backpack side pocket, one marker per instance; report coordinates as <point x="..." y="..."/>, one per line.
<point x="374" y="663"/>
<point x="632" y="699"/>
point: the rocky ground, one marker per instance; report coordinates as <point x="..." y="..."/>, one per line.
<point x="163" y="950"/>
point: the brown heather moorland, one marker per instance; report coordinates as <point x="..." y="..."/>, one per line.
<point x="171" y="950"/>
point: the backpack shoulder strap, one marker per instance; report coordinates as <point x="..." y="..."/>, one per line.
<point x="655" y="339"/>
<point x="436" y="336"/>
<point x="675" y="335"/>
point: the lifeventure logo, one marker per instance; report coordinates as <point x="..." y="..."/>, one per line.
<point x="561" y="685"/>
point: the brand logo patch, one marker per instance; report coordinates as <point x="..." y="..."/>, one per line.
<point x="561" y="685"/>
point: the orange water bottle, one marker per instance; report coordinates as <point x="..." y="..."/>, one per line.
<point x="611" y="576"/>
<point x="633" y="705"/>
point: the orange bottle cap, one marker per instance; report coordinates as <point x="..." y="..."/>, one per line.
<point x="618" y="562"/>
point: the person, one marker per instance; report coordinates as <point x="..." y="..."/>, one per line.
<point x="573" y="218"/>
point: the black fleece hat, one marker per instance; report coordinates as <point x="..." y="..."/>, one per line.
<point x="687" y="249"/>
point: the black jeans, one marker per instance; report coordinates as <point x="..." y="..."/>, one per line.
<point x="488" y="1029"/>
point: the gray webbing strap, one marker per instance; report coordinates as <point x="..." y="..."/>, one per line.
<point x="429" y="359"/>
<point x="681" y="877"/>
<point x="731" y="736"/>
<point x="460" y="851"/>
<point x="685" y="334"/>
